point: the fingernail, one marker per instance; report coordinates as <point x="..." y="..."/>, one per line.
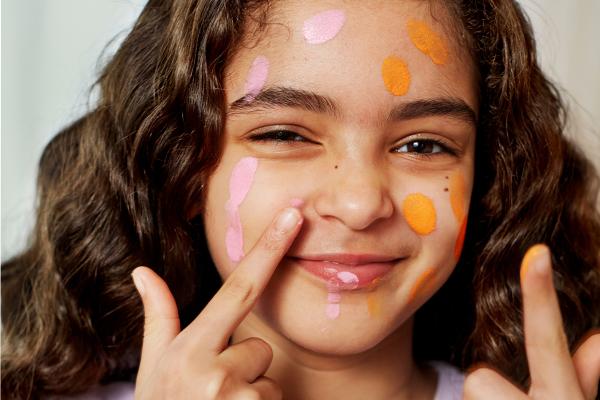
<point x="138" y="281"/>
<point x="287" y="220"/>
<point x="536" y="258"/>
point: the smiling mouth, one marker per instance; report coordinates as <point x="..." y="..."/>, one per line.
<point x="347" y="271"/>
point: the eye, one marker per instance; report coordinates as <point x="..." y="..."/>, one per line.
<point x="423" y="147"/>
<point x="279" y="135"/>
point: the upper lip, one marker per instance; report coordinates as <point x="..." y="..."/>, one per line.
<point x="348" y="258"/>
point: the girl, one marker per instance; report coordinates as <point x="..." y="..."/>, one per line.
<point x="326" y="160"/>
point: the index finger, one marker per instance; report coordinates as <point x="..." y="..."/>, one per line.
<point x="221" y="316"/>
<point x="550" y="365"/>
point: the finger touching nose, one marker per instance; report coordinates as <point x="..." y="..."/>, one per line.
<point x="356" y="199"/>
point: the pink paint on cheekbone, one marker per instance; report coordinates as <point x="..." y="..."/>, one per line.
<point x="240" y="182"/>
<point x="257" y="76"/>
<point x="323" y="26"/>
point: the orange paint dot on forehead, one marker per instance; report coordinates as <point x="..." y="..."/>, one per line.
<point x="420" y="213"/>
<point x="427" y="41"/>
<point x="458" y="191"/>
<point x="396" y="76"/>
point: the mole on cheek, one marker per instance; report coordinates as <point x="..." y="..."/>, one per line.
<point x="427" y="41"/>
<point x="396" y="76"/>
<point x="419" y="213"/>
<point x="240" y="182"/>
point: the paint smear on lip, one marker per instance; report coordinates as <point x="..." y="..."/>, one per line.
<point x="420" y="213"/>
<point x="427" y="41"/>
<point x="240" y="182"/>
<point x="257" y="76"/>
<point x="423" y="283"/>
<point x="396" y="76"/>
<point x="324" y="26"/>
<point x="334" y="297"/>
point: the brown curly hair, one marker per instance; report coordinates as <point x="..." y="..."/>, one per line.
<point x="116" y="190"/>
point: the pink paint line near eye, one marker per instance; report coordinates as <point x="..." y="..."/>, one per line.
<point x="323" y="26"/>
<point x="257" y="76"/>
<point x="240" y="182"/>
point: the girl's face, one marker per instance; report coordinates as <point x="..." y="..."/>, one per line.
<point x="363" y="116"/>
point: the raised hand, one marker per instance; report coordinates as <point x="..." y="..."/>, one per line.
<point x="554" y="373"/>
<point x="197" y="362"/>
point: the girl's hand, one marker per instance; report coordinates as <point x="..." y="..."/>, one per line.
<point x="197" y="362"/>
<point x="554" y="374"/>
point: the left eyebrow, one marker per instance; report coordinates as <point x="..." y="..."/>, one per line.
<point x="279" y="96"/>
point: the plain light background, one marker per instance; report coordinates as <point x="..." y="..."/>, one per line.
<point x="50" y="57"/>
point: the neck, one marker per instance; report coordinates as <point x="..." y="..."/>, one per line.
<point x="386" y="371"/>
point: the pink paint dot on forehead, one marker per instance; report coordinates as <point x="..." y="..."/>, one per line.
<point x="323" y="26"/>
<point x="257" y="76"/>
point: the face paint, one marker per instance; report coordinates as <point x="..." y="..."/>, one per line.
<point x="460" y="239"/>
<point x="396" y="76"/>
<point x="419" y="212"/>
<point x="339" y="280"/>
<point x="257" y="76"/>
<point x="427" y="41"/>
<point x="531" y="254"/>
<point x="296" y="202"/>
<point x="422" y="284"/>
<point x="240" y="182"/>
<point x="324" y="26"/>
<point x="457" y="195"/>
<point x="373" y="303"/>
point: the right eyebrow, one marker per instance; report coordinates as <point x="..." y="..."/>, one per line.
<point x="278" y="96"/>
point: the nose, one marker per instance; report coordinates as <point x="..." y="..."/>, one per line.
<point x="356" y="197"/>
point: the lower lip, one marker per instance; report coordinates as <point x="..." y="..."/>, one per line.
<point x="367" y="274"/>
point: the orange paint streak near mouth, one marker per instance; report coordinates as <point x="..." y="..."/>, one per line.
<point x="373" y="304"/>
<point x="427" y="41"/>
<point x="424" y="282"/>
<point x="420" y="213"/>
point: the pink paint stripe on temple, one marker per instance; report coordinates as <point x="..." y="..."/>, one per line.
<point x="257" y="77"/>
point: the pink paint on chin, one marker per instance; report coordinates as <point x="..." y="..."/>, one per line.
<point x="240" y="182"/>
<point x="332" y="310"/>
<point x="323" y="26"/>
<point x="257" y="76"/>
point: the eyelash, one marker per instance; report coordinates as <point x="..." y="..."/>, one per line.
<point x="281" y="136"/>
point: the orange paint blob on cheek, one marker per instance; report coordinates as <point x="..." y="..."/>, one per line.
<point x="458" y="196"/>
<point x="423" y="283"/>
<point x="427" y="41"/>
<point x="420" y="213"/>
<point x="396" y="75"/>
<point x="460" y="240"/>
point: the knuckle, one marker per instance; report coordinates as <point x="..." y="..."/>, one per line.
<point x="273" y="240"/>
<point x="238" y="288"/>
<point x="262" y="348"/>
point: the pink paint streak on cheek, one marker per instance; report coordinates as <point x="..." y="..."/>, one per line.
<point x="240" y="182"/>
<point x="257" y="76"/>
<point x="323" y="26"/>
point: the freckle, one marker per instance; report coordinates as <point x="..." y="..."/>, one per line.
<point x="445" y="189"/>
<point x="423" y="283"/>
<point x="419" y="213"/>
<point x="336" y="167"/>
<point x="446" y="177"/>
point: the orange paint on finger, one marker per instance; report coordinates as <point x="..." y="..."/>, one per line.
<point x="460" y="239"/>
<point x="458" y="191"/>
<point x="423" y="283"/>
<point x="531" y="254"/>
<point x="396" y="75"/>
<point x="420" y="213"/>
<point x="427" y="41"/>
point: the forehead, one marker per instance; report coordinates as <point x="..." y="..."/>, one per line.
<point x="350" y="67"/>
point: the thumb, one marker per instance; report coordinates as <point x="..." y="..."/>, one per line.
<point x="587" y="364"/>
<point x="161" y="319"/>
